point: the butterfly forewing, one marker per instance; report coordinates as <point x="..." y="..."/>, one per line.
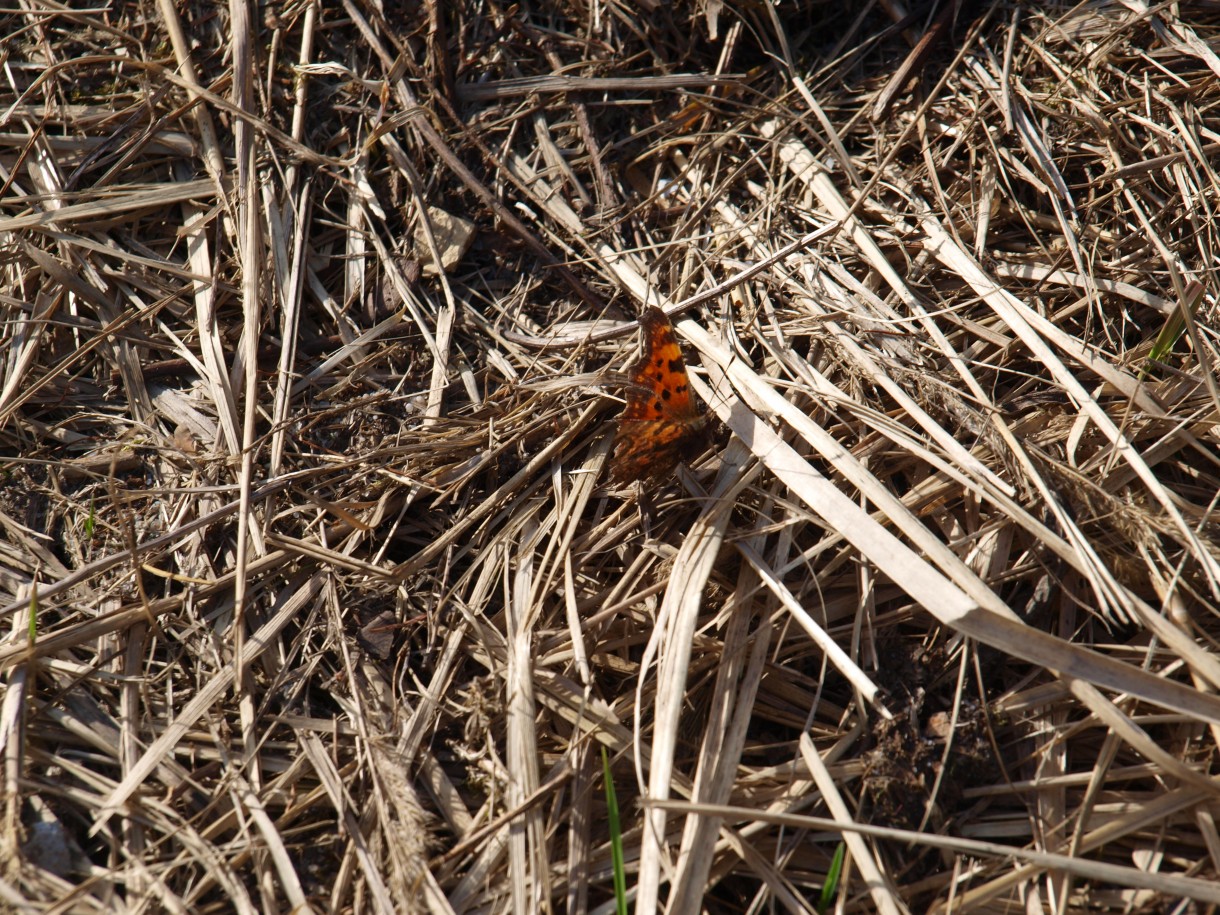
<point x="659" y="384"/>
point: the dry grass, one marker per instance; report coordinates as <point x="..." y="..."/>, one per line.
<point x="318" y="598"/>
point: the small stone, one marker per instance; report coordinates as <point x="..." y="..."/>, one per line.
<point x="454" y="236"/>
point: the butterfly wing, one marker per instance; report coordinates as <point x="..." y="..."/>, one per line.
<point x="661" y="420"/>
<point x="660" y="388"/>
<point x="646" y="449"/>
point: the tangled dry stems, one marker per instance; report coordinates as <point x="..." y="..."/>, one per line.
<point x="318" y="597"/>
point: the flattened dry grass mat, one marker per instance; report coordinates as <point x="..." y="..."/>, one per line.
<point x="348" y="517"/>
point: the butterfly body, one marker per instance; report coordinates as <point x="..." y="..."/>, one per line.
<point x="661" y="424"/>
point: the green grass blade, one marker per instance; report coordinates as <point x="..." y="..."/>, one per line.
<point x="1173" y="329"/>
<point x="830" y="888"/>
<point x="616" y="838"/>
<point x="33" y="632"/>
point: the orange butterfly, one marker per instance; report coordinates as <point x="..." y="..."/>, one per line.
<point x="661" y="423"/>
